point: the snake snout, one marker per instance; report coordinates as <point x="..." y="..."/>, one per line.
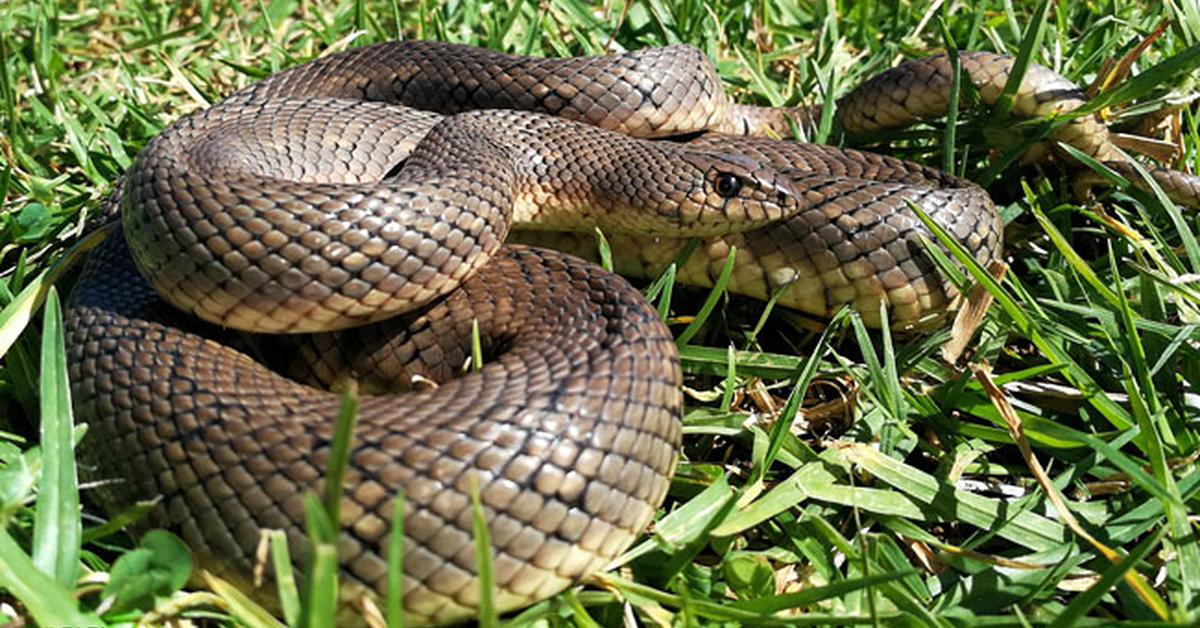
<point x="735" y="193"/>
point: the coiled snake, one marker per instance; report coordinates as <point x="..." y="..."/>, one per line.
<point x="318" y="200"/>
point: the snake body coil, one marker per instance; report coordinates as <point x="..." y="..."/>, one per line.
<point x="318" y="200"/>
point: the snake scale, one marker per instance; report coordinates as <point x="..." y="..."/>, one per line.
<point x="367" y="196"/>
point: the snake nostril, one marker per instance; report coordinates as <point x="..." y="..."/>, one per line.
<point x="782" y="197"/>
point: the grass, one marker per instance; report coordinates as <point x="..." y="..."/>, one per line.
<point x="846" y="477"/>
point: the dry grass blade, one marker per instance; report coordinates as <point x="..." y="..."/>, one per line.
<point x="1156" y="149"/>
<point x="1116" y="71"/>
<point x="998" y="561"/>
<point x="1013" y="421"/>
<point x="971" y="315"/>
<point x="238" y="604"/>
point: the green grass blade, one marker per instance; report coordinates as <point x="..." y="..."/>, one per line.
<point x="684" y="533"/>
<point x="730" y="613"/>
<point x="787" y="415"/>
<point x="668" y="291"/>
<point x="285" y="577"/>
<point x="319" y="607"/>
<point x="1027" y="528"/>
<point x="712" y="361"/>
<point x="122" y="520"/>
<point x="783" y="496"/>
<point x="1073" y="258"/>
<point x="322" y="518"/>
<point x="50" y="603"/>
<point x="1049" y="346"/>
<point x="1127" y="465"/>
<point x="339" y="454"/>
<point x="710" y="303"/>
<point x="604" y="251"/>
<point x="323" y="588"/>
<point x="57" y="527"/>
<point x="21" y="364"/>
<point x="476" y="346"/>
<point x="394" y="612"/>
<point x="239" y="605"/>
<point x="1024" y="57"/>
<point x="488" y="615"/>
<point x="1078" y="607"/>
<point x="883" y="374"/>
<point x="662" y="290"/>
<point x="949" y="135"/>
<point x="730" y="379"/>
<point x="16" y="315"/>
<point x="1190" y="243"/>
<point x="815" y="595"/>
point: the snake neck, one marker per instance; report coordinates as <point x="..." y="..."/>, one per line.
<point x="574" y="177"/>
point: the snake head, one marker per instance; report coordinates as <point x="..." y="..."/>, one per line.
<point x="732" y="193"/>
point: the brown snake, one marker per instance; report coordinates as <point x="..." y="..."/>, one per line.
<point x="316" y="199"/>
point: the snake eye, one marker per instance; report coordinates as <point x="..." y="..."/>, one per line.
<point x="728" y="185"/>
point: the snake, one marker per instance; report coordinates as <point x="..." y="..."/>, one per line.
<point x="345" y="220"/>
